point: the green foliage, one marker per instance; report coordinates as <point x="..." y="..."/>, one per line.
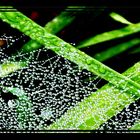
<point x="54" y="26"/>
<point x="119" y="33"/>
<point x="119" y="18"/>
<point x="36" y="32"/>
<point x="101" y="105"/>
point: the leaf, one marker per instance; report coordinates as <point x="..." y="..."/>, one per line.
<point x="119" y="33"/>
<point x="107" y="99"/>
<point x="54" y="26"/>
<point x="10" y="67"/>
<point x="115" y="50"/>
<point x="119" y="18"/>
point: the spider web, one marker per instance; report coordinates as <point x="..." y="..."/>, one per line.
<point x="52" y="83"/>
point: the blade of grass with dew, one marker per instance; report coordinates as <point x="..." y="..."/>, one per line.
<point x="115" y="50"/>
<point x="119" y="18"/>
<point x="53" y="27"/>
<point x="128" y="30"/>
<point x="136" y="126"/>
<point x="98" y="107"/>
<point x="57" y="24"/>
<point x="18" y="20"/>
<point x="9" y="67"/>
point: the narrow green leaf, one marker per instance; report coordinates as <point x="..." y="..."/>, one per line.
<point x="18" y="20"/>
<point x="54" y="26"/>
<point x="10" y="67"/>
<point x="119" y="18"/>
<point x="57" y="24"/>
<point x="113" y="51"/>
<point x="130" y="29"/>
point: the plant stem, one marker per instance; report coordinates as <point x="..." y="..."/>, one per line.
<point x="98" y="107"/>
<point x="130" y="29"/>
<point x="18" y="20"/>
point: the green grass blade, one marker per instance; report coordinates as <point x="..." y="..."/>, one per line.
<point x="53" y="27"/>
<point x="9" y="67"/>
<point x="130" y="29"/>
<point x="113" y="51"/>
<point x="18" y="20"/>
<point x="119" y="18"/>
<point x="98" y="107"/>
<point x="136" y="126"/>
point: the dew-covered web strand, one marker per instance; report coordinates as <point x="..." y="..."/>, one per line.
<point x="6" y="43"/>
<point x="52" y="83"/>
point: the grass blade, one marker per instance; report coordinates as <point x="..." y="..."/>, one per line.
<point x="53" y="27"/>
<point x="119" y="18"/>
<point x="130" y="29"/>
<point x="10" y="67"/>
<point x="113" y="51"/>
